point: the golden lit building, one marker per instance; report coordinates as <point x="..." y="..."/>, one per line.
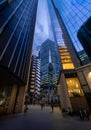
<point x="69" y="87"/>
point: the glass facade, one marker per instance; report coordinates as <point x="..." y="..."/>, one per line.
<point x="17" y="22"/>
<point x="74" y="13"/>
<point x="49" y="54"/>
<point x="61" y="38"/>
<point x="84" y="36"/>
<point x="55" y="24"/>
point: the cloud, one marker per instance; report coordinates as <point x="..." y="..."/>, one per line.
<point x="43" y="29"/>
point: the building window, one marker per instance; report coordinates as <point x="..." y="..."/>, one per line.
<point x="65" y="58"/>
<point x="74" y="87"/>
<point x="68" y="66"/>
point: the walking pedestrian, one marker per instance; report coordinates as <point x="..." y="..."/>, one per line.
<point x="86" y="114"/>
<point x="42" y="103"/>
<point x="81" y="113"/>
<point x="52" y="104"/>
<point x="25" y="109"/>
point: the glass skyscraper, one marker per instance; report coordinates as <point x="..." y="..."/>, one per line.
<point x="49" y="54"/>
<point x="49" y="68"/>
<point x="84" y="36"/>
<point x="74" y="13"/>
<point x="69" y="87"/>
<point x="17" y="23"/>
<point x="62" y="40"/>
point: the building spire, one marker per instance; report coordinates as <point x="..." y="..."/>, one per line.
<point x="50" y="58"/>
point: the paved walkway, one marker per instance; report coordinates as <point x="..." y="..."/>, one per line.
<point x="35" y="119"/>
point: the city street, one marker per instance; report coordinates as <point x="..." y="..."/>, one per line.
<point x="37" y="119"/>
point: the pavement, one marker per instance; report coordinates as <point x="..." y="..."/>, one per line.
<point x="37" y="119"/>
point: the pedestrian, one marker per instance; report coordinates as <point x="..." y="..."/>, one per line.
<point x="25" y="109"/>
<point x="81" y="113"/>
<point x="42" y="103"/>
<point x="86" y="114"/>
<point x="52" y="104"/>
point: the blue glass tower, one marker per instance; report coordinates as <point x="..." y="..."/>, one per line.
<point x="84" y="36"/>
<point x="61" y="37"/>
<point x="17" y="22"/>
<point x="68" y="83"/>
<point x="49" y="55"/>
<point x="74" y="13"/>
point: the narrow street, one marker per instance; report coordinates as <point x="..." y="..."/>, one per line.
<point x="35" y="119"/>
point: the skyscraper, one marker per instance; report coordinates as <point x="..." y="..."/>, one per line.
<point x="69" y="87"/>
<point x="74" y="13"/>
<point x="50" y="64"/>
<point x="84" y="36"/>
<point x="34" y="79"/>
<point x="17" y="22"/>
<point x="61" y="35"/>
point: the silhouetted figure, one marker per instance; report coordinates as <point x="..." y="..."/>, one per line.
<point x="52" y="105"/>
<point x="82" y="115"/>
<point x="25" y="109"/>
<point x="86" y="114"/>
<point x="42" y="103"/>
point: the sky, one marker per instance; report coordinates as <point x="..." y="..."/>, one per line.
<point x="43" y="29"/>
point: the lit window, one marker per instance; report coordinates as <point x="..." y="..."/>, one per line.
<point x="68" y="66"/>
<point x="74" y="87"/>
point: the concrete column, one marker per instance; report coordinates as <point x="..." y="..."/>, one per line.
<point x="64" y="97"/>
<point x="20" y="99"/>
<point x="87" y="75"/>
<point x="12" y="99"/>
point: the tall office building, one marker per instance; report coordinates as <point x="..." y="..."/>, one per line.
<point x="84" y="36"/>
<point x="34" y="79"/>
<point x="17" y="22"/>
<point x="69" y="87"/>
<point x="50" y="64"/>
<point x="73" y="14"/>
<point x="61" y="36"/>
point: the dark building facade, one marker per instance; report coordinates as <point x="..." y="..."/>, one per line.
<point x="84" y="36"/>
<point x="17" y="22"/>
